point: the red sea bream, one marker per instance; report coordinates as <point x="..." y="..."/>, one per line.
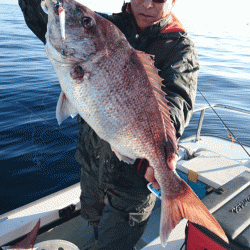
<point x="117" y="91"/>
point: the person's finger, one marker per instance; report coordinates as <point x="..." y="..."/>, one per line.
<point x="149" y="176"/>
<point x="156" y="185"/>
<point x="171" y="161"/>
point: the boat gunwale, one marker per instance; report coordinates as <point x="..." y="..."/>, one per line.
<point x="202" y="114"/>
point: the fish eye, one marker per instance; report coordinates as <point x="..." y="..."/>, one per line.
<point x="87" y="22"/>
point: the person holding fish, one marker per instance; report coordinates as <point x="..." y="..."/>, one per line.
<point x="134" y="87"/>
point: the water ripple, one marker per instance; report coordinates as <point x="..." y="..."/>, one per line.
<point x="37" y="156"/>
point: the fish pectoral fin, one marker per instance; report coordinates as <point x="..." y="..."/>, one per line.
<point x="64" y="109"/>
<point x="186" y="205"/>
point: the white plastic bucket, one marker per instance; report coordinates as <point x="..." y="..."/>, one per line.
<point x="55" y="245"/>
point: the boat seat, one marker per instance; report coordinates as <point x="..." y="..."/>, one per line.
<point x="212" y="169"/>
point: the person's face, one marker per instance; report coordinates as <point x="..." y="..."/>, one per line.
<point x="147" y="12"/>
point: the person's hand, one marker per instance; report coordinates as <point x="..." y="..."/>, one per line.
<point x="149" y="174"/>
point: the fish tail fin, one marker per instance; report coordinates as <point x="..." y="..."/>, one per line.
<point x="185" y="204"/>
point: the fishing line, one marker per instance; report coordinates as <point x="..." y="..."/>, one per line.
<point x="47" y="122"/>
<point x="226" y="127"/>
<point x="37" y="152"/>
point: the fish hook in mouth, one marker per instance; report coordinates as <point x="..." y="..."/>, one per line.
<point x="61" y="12"/>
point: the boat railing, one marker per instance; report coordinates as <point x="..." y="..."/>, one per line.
<point x="202" y="113"/>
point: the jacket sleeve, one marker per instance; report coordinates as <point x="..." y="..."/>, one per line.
<point x="180" y="72"/>
<point x="35" y="18"/>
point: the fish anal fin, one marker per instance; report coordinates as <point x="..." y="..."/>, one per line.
<point x="64" y="109"/>
<point x="186" y="205"/>
<point x="29" y="241"/>
<point x="156" y="83"/>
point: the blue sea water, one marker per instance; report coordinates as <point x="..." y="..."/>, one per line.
<point x="37" y="156"/>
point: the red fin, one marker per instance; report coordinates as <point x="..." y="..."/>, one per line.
<point x="29" y="241"/>
<point x="152" y="71"/>
<point x="186" y="205"/>
<point x="156" y="82"/>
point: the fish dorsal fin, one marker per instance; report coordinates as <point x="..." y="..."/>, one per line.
<point x="156" y="82"/>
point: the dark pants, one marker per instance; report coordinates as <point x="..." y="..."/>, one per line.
<point x="121" y="218"/>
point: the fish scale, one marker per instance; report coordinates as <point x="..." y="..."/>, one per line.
<point x="117" y="91"/>
<point x="125" y="95"/>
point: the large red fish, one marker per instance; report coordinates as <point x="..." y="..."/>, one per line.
<point x="117" y="91"/>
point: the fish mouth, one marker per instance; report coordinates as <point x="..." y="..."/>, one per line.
<point x="68" y="43"/>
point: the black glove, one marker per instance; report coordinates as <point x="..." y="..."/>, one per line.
<point x="141" y="166"/>
<point x="35" y="17"/>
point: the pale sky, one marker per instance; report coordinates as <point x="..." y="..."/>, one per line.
<point x="212" y="14"/>
<point x="186" y="5"/>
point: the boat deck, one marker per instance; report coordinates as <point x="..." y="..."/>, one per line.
<point x="207" y="163"/>
<point x="80" y="233"/>
<point x="230" y="162"/>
